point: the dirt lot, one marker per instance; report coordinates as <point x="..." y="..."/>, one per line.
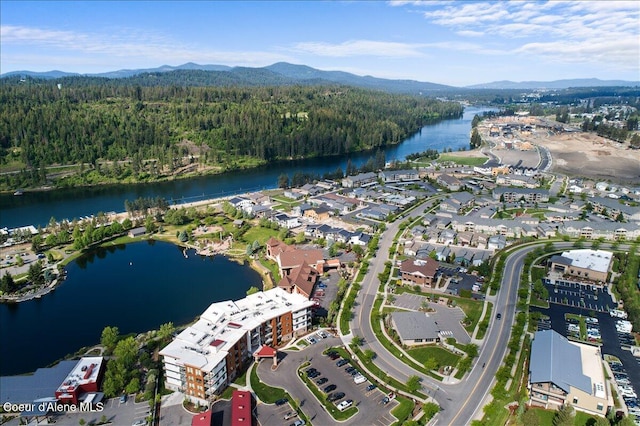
<point x="573" y="153"/>
<point x="589" y="155"/>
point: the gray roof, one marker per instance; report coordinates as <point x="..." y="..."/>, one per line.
<point x="41" y="384"/>
<point x="414" y="325"/>
<point x="554" y="359"/>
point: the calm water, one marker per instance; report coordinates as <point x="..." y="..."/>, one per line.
<point x="37" y="208"/>
<point x="136" y="287"/>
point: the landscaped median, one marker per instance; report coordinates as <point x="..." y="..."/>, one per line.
<point x="322" y="398"/>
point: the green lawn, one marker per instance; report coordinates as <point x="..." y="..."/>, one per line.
<point x="443" y="356"/>
<point x="264" y="392"/>
<point x="465" y="161"/>
<point x="403" y="410"/>
<point x="260" y="234"/>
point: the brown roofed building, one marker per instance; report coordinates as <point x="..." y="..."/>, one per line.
<point x="287" y="260"/>
<point x="301" y="280"/>
<point x="421" y="272"/>
<point x="275" y="247"/>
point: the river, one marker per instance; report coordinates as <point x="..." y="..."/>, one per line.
<point x="136" y="287"/>
<point x="36" y="208"/>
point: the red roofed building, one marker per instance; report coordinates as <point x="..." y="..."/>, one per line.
<point x="202" y="419"/>
<point x="85" y="377"/>
<point x="242" y="408"/>
<point x="421" y="272"/>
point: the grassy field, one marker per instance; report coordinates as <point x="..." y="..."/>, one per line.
<point x="465" y="161"/>
<point x="442" y="356"/>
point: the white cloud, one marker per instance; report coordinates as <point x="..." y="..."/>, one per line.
<point x="587" y="32"/>
<point x="469" y="33"/>
<point x="360" y="48"/>
<point x="119" y="48"/>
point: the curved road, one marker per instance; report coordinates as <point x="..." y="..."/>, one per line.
<point x="459" y="402"/>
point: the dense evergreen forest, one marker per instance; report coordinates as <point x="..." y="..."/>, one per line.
<point x="127" y="132"/>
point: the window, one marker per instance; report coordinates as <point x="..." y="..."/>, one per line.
<point x="599" y="407"/>
<point x="575" y="400"/>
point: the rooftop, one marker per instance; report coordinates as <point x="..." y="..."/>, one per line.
<point x="595" y="260"/>
<point x="85" y="371"/>
<point x="557" y="360"/>
<point x="205" y="343"/>
<point x="415" y="325"/>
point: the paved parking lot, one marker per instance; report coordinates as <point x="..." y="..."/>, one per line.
<point x="447" y="318"/>
<point x="580" y="295"/>
<point x="113" y="411"/>
<point x="370" y="410"/>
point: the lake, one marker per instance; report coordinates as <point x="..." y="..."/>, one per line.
<point x="136" y="287"/>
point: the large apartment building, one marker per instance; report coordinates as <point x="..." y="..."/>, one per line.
<point x="208" y="355"/>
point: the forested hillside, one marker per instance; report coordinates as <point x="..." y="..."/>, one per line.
<point x="120" y="132"/>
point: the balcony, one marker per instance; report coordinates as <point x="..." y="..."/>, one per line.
<point x="548" y="388"/>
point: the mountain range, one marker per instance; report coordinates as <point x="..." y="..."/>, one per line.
<point x="286" y="73"/>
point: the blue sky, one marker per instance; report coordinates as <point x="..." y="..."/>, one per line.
<point x="448" y="42"/>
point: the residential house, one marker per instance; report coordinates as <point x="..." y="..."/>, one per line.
<point x="318" y="213"/>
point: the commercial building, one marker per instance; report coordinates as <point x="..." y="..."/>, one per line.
<point x="208" y="355"/>
<point x="415" y="328"/>
<point x="421" y="272"/>
<point x="85" y="378"/>
<point x="564" y="372"/>
<point x="590" y="264"/>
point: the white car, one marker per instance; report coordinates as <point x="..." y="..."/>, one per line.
<point x="345" y="404"/>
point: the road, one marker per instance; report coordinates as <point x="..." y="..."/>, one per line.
<point x="461" y="401"/>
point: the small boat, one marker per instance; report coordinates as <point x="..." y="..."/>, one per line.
<point x="18" y="192"/>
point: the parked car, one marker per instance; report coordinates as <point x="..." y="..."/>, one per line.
<point x="334" y="356"/>
<point x="281" y="401"/>
<point x="335" y="396"/>
<point x="123" y="398"/>
<point x="314" y="374"/>
<point x="385" y="400"/>
<point x="371" y="387"/>
<point x="290" y="415"/>
<point x="345" y="404"/>
<point x="298" y="422"/>
<point x="329" y="388"/>
<point x="349" y="369"/>
<point x="342" y="362"/>
<point x="322" y="381"/>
